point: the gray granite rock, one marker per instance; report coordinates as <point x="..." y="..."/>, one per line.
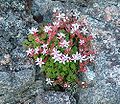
<point x="106" y="88"/>
<point x="54" y="98"/>
<point x="16" y="72"/>
<point x="13" y="83"/>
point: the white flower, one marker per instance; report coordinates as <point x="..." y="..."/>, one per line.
<point x="56" y="9"/>
<point x="30" y="51"/>
<point x="47" y="28"/>
<point x="39" y="62"/>
<point x="79" y="57"/>
<point x="75" y="57"/>
<point x="44" y="46"/>
<point x="56" y="55"/>
<point x="67" y="58"/>
<point x="56" y="23"/>
<point x="75" y="27"/>
<point x="63" y="59"/>
<point x="76" y="14"/>
<point x="33" y="30"/>
<point x="55" y="51"/>
<point x="84" y="31"/>
<point x="44" y="51"/>
<point x="48" y="80"/>
<point x="61" y="16"/>
<point x="37" y="50"/>
<point x="81" y="42"/>
<point x="64" y="43"/>
<point x="82" y="58"/>
<point x="61" y="34"/>
<point x="91" y="57"/>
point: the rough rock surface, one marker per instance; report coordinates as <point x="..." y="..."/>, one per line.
<point x="17" y="72"/>
<point x="55" y="98"/>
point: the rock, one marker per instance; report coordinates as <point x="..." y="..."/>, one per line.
<point x="17" y="72"/>
<point x="45" y="8"/>
<point x="13" y="83"/>
<point x="4" y="82"/>
<point x="14" y="23"/>
<point x="4" y="85"/>
<point x="107" y="60"/>
<point x="29" y="94"/>
<point x="54" y="98"/>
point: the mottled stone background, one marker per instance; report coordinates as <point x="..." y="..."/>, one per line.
<point x="19" y="83"/>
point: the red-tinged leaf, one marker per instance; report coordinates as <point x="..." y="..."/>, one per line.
<point x="81" y="64"/>
<point x="67" y="28"/>
<point x="85" y="39"/>
<point x="86" y="62"/>
<point x="89" y="38"/>
<point x="55" y="28"/>
<point x="60" y="78"/>
<point x="82" y="70"/>
<point x="37" y="40"/>
<point x="67" y="51"/>
<point x="80" y="36"/>
<point x="35" y="34"/>
<point x="45" y="60"/>
<point x="72" y="36"/>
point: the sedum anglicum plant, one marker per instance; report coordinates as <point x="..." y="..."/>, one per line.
<point x="62" y="49"/>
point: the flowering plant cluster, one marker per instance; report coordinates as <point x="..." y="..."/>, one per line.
<point x="62" y="49"/>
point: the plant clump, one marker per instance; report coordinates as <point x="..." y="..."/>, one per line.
<point x="62" y="49"/>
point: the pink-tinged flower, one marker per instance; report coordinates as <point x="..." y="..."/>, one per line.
<point x="84" y="31"/>
<point x="81" y="42"/>
<point x="39" y="62"/>
<point x="64" y="43"/>
<point x="66" y="85"/>
<point x="49" y="81"/>
<point x="60" y="16"/>
<point x="47" y="28"/>
<point x="30" y="52"/>
<point x="44" y="51"/>
<point x="55" y="51"/>
<point x="75" y="27"/>
<point x="67" y="57"/>
<point x="33" y="30"/>
<point x="57" y="56"/>
<point x="37" y="50"/>
<point x="63" y="59"/>
<point x="79" y="57"/>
